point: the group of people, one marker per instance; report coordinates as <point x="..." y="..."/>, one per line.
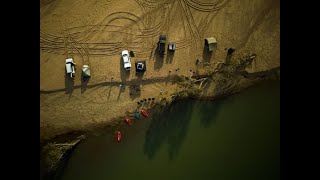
<point x="145" y="100"/>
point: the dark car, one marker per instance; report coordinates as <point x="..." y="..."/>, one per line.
<point x="162" y="44"/>
<point x="140" y="66"/>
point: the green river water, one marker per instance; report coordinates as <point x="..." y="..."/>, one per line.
<point x="234" y="138"/>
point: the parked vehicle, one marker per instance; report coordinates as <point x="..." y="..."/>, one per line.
<point x="126" y="60"/>
<point x="172" y="46"/>
<point x="162" y="44"/>
<point x="140" y="66"/>
<point x="70" y="67"/>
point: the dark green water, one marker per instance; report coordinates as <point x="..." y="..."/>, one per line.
<point x="234" y="138"/>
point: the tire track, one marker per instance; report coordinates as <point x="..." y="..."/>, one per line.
<point x="205" y="4"/>
<point x="193" y="24"/>
<point x="51" y="43"/>
<point x="56" y="45"/>
<point x="154" y="4"/>
<point x="81" y="48"/>
<point x="141" y="6"/>
<point x="186" y="16"/>
<point x="211" y="16"/>
<point x="50" y="36"/>
<point x="65" y="44"/>
<point x="203" y="7"/>
<point x="94" y="29"/>
<point x="108" y="19"/>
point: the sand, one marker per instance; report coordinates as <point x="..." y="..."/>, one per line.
<point x="95" y="32"/>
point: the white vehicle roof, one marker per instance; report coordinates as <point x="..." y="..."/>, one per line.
<point x="125" y="52"/>
<point x="69" y="60"/>
<point x="86" y="70"/>
<point x="69" y="68"/>
<point x="127" y="64"/>
<point x="126" y="59"/>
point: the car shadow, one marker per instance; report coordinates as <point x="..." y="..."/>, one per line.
<point x="84" y="83"/>
<point x="124" y="74"/>
<point x="207" y="55"/>
<point x="158" y="59"/>
<point x="69" y="84"/>
<point x="169" y="57"/>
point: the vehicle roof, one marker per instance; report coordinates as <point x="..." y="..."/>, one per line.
<point x="127" y="64"/>
<point x="211" y="40"/>
<point x="125" y="59"/>
<point x="68" y="68"/>
<point x="69" y="60"/>
<point x="163" y="37"/>
<point x="125" y="52"/>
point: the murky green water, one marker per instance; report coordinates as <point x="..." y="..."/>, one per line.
<point x="234" y="138"/>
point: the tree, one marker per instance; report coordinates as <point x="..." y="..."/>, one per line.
<point x="131" y="53"/>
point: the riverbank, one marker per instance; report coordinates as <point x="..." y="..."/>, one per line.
<point x="194" y="87"/>
<point x="190" y="138"/>
<point x="220" y="82"/>
<point x="112" y="128"/>
<point x="95" y="33"/>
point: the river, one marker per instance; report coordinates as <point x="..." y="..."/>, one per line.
<point x="234" y="138"/>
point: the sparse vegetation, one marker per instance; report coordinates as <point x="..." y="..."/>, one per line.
<point x="52" y="153"/>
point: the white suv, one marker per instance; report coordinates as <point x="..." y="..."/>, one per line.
<point x="126" y="60"/>
<point x="70" y="67"/>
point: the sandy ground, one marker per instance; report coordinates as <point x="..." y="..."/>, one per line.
<point x="95" y="32"/>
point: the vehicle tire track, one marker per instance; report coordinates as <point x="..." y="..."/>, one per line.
<point x="186" y="17"/>
<point x="211" y="16"/>
<point x="203" y="8"/>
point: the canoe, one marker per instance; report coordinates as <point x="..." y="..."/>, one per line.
<point x="144" y="113"/>
<point x="119" y="136"/>
<point x="128" y="121"/>
<point x="136" y="115"/>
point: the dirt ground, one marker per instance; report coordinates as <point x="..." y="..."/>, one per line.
<point x="95" y="32"/>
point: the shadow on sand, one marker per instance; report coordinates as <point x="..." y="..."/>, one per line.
<point x="124" y="75"/>
<point x="207" y="55"/>
<point x="158" y="59"/>
<point x="84" y="83"/>
<point x="69" y="84"/>
<point x="169" y="57"/>
<point x="134" y="89"/>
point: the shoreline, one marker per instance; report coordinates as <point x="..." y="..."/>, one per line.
<point x="164" y="100"/>
<point x="116" y="123"/>
<point x="95" y="34"/>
